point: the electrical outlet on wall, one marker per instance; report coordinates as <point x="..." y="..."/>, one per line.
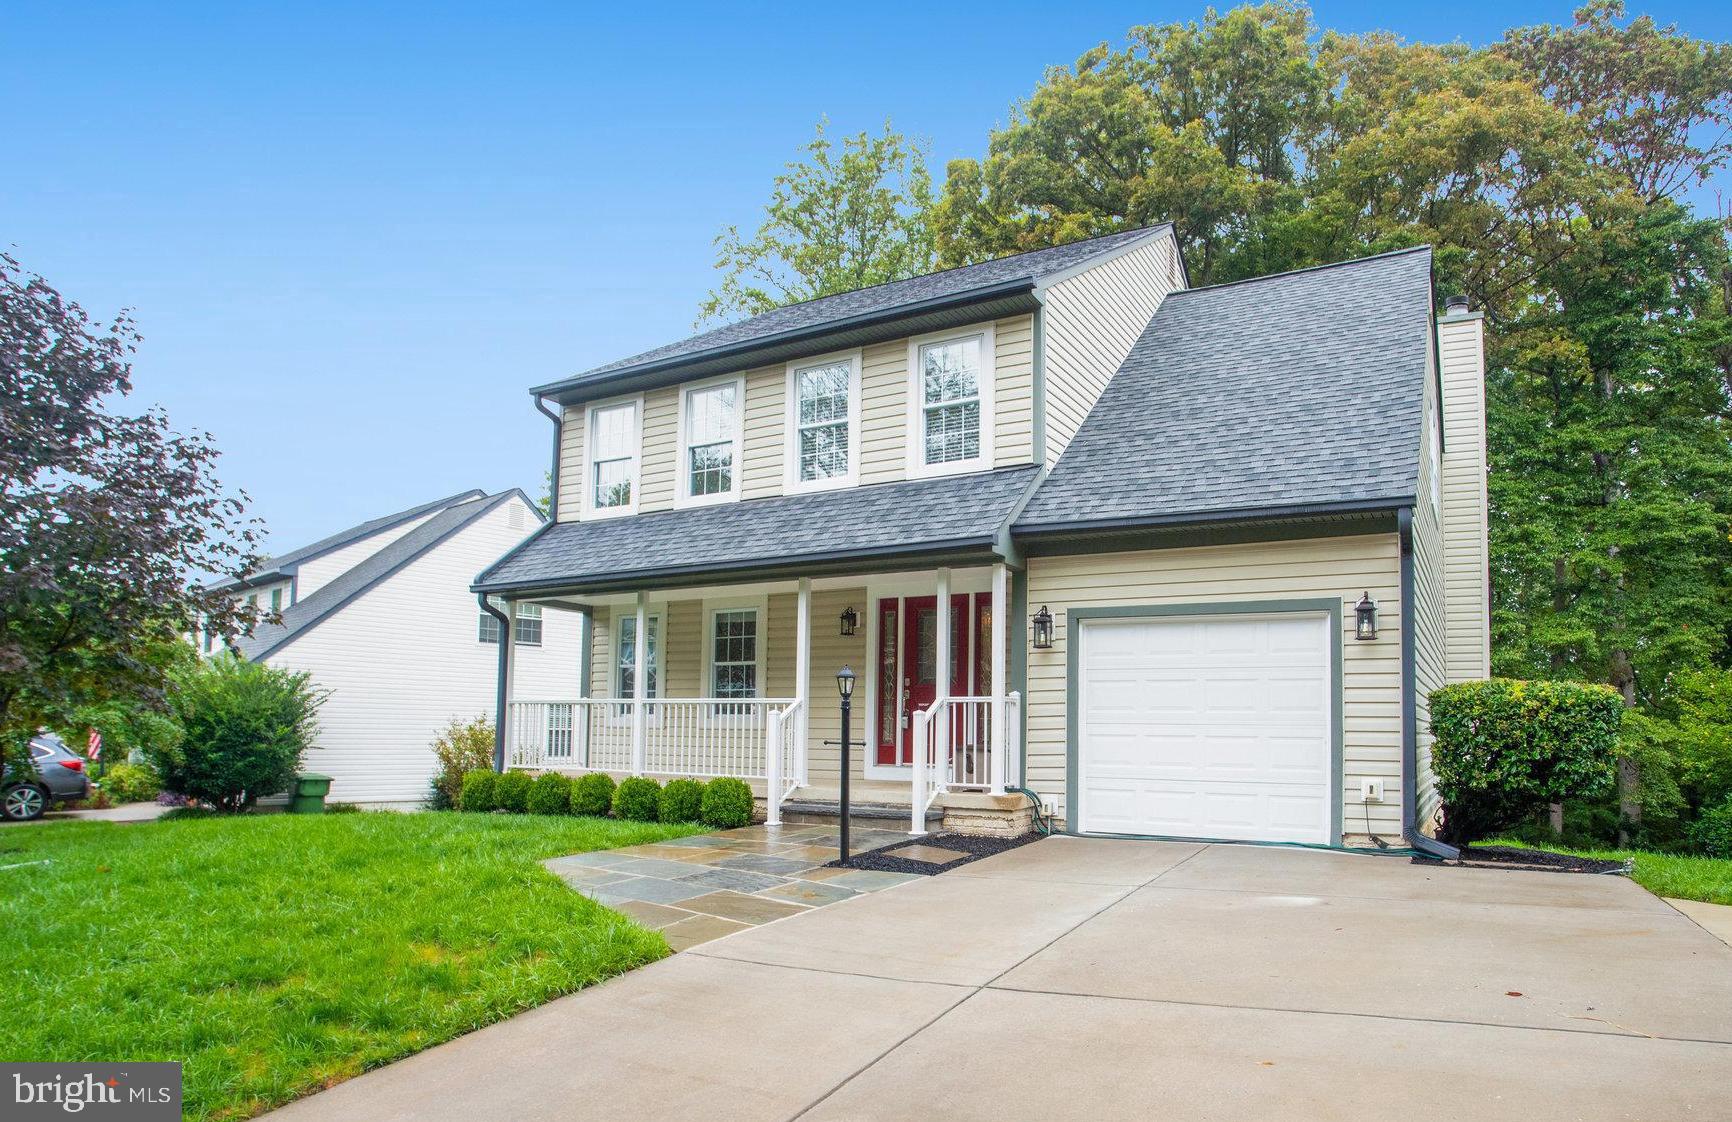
<point x="1371" y="790"/>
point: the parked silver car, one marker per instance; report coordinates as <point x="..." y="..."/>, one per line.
<point x="58" y="778"/>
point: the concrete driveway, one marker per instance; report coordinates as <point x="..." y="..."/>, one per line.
<point x="1081" y="978"/>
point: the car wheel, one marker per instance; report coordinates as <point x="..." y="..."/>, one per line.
<point x="24" y="803"/>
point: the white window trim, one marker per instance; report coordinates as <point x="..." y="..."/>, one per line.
<point x="683" y="496"/>
<point x="917" y="467"/>
<point x="757" y="604"/>
<point x="590" y="510"/>
<point x="792" y="484"/>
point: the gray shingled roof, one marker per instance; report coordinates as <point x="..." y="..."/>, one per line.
<point x="283" y="565"/>
<point x="878" y="300"/>
<point x="1299" y="390"/>
<point x="328" y="599"/>
<point x="956" y="513"/>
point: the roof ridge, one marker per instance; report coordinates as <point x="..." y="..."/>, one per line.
<point x="1426" y="248"/>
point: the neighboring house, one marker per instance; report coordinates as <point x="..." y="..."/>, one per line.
<point x="1132" y="520"/>
<point x="381" y="616"/>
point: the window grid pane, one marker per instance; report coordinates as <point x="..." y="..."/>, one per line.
<point x="626" y="668"/>
<point x="711" y="469"/>
<point x="822" y="420"/>
<point x="950" y="394"/>
<point x="711" y="417"/>
<point x="613" y="436"/>
<point x="734" y="657"/>
<point x="527" y="631"/>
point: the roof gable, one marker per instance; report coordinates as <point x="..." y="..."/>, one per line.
<point x="1296" y="391"/>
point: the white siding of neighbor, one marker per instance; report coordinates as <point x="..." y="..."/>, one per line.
<point x="1461" y="343"/>
<point x="1091" y="321"/>
<point x="403" y="660"/>
<point x="1320" y="568"/>
<point x="314" y="573"/>
<point x="883" y="434"/>
<point x="1429" y="652"/>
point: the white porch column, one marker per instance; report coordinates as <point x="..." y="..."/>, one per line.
<point x="1000" y="662"/>
<point x="803" y="675"/>
<point x="940" y="733"/>
<point x="640" y="683"/>
<point x="509" y="734"/>
<point x="580" y="714"/>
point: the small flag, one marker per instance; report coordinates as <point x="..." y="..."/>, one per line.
<point x="93" y="746"/>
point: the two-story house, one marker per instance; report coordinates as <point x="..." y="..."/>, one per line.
<point x="1180" y="562"/>
<point x="379" y="616"/>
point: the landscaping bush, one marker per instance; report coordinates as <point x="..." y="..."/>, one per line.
<point x="342" y="808"/>
<point x="479" y="790"/>
<point x="550" y="794"/>
<point x="637" y="799"/>
<point x="682" y="800"/>
<point x="511" y="792"/>
<point x="131" y="783"/>
<point x="1712" y="833"/>
<point x="245" y="728"/>
<point x="727" y="803"/>
<point x="463" y="747"/>
<point x="1505" y="748"/>
<point x="592" y="794"/>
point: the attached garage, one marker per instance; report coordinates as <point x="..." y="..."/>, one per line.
<point x="1206" y="725"/>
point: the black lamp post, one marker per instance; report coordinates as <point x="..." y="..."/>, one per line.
<point x="845" y="687"/>
<point x="1365" y="618"/>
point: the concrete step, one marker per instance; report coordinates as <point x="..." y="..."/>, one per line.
<point x="831" y="811"/>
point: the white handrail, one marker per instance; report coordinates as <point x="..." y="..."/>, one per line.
<point x="929" y="765"/>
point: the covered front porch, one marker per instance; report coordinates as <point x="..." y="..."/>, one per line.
<point x="741" y="680"/>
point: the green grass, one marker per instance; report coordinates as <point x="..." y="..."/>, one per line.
<point x="278" y="954"/>
<point x="1684" y="878"/>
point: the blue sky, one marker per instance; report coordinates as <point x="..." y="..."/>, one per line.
<point x="354" y="234"/>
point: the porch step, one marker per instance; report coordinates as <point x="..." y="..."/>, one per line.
<point x="832" y="810"/>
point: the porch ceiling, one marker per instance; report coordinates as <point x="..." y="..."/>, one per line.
<point x="890" y="525"/>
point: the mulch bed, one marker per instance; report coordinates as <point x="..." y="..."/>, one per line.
<point x="1536" y="860"/>
<point x="884" y="861"/>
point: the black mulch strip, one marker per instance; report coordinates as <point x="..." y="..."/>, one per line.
<point x="1509" y="857"/>
<point x="883" y="860"/>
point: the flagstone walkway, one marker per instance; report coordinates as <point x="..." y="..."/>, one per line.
<point x="700" y="888"/>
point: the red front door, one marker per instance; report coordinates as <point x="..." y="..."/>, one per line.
<point x="909" y="683"/>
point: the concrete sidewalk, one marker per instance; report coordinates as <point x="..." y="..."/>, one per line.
<point x="1080" y="978"/>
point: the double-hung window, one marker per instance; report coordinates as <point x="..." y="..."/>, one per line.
<point x="613" y="458"/>
<point x="710" y="441"/>
<point x="950" y="404"/>
<point x="823" y="419"/>
<point x="526" y="631"/>
<point x="734" y="656"/>
<point x="625" y="660"/>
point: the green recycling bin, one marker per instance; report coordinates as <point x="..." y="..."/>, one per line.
<point x="310" y="791"/>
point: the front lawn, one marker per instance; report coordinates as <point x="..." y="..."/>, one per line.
<point x="278" y="954"/>
<point x="1684" y="878"/>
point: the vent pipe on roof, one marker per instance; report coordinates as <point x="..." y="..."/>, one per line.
<point x="1455" y="305"/>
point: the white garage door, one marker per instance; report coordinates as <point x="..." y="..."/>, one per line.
<point x="1206" y="727"/>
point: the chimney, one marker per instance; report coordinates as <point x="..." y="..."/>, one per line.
<point x="1455" y="305"/>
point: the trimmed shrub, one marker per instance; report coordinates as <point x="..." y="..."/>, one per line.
<point x="131" y="783"/>
<point x="1505" y="748"/>
<point x="682" y="800"/>
<point x="479" y="792"/>
<point x="638" y="799"/>
<point x="727" y="803"/>
<point x="246" y="726"/>
<point x="463" y="747"/>
<point x="550" y="794"/>
<point x="592" y="794"/>
<point x="1712" y="833"/>
<point x="512" y="791"/>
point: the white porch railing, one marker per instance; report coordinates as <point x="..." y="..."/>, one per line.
<point x="703" y="738"/>
<point x="954" y="749"/>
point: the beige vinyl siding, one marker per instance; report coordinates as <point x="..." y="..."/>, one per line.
<point x="1317" y="568"/>
<point x="571" y="428"/>
<point x="1013" y="391"/>
<point x="1466" y="574"/>
<point x="661" y="417"/>
<point x="766" y="421"/>
<point x="1092" y="320"/>
<point x="1430" y="656"/>
<point x="884" y="412"/>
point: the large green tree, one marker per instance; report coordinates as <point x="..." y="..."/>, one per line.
<point x="838" y="219"/>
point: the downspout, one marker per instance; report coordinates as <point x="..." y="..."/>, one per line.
<point x="1426" y="846"/>
<point x="499" y="699"/>
<point x="553" y="467"/>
